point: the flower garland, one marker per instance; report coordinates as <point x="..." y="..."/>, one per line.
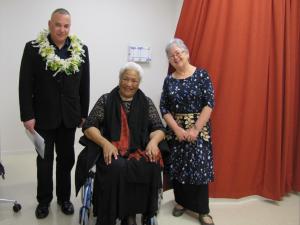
<point x="53" y="61"/>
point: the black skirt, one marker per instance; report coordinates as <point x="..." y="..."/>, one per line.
<point x="125" y="187"/>
<point x="192" y="197"/>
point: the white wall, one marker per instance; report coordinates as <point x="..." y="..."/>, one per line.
<point x="106" y="26"/>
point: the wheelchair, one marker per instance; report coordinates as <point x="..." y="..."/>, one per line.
<point x="87" y="195"/>
<point x="16" y="206"/>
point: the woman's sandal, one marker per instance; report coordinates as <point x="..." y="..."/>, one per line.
<point x="204" y="218"/>
<point x="177" y="211"/>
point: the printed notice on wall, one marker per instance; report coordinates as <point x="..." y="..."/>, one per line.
<point x="137" y="53"/>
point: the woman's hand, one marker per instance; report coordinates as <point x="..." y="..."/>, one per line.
<point x="152" y="151"/>
<point x="181" y="134"/>
<point x="192" y="134"/>
<point x="109" y="151"/>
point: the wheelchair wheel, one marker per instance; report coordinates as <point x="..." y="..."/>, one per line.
<point x="86" y="196"/>
<point x="159" y="200"/>
<point x="84" y="215"/>
<point x="149" y="221"/>
<point x="17" y="207"/>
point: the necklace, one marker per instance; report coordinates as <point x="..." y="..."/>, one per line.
<point x="184" y="74"/>
<point x="53" y="61"/>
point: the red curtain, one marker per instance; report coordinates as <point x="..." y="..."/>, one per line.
<point x="251" y="50"/>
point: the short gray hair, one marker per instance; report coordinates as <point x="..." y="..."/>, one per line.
<point x="131" y="66"/>
<point x="61" y="11"/>
<point x="179" y="43"/>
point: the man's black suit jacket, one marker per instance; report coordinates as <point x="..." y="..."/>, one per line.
<point x="52" y="100"/>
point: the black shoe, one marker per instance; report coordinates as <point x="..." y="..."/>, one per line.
<point x="124" y="221"/>
<point x="41" y="211"/>
<point x="66" y="207"/>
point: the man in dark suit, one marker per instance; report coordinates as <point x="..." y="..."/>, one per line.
<point x="54" y="99"/>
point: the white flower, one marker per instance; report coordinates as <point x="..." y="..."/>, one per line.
<point x="54" y="62"/>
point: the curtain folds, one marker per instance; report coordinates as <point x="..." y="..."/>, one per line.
<point x="251" y="49"/>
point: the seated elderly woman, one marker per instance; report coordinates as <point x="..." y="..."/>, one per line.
<point x="126" y="126"/>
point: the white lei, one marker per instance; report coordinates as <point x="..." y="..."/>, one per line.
<point x="53" y="61"/>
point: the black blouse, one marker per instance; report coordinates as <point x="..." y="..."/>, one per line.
<point x="96" y="116"/>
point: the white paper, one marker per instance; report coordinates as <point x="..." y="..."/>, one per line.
<point x="38" y="142"/>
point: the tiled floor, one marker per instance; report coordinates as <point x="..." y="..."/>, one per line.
<point x="20" y="184"/>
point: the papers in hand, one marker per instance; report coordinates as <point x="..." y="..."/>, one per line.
<point x="38" y="142"/>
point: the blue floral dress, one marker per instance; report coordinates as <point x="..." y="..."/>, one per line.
<point x="191" y="163"/>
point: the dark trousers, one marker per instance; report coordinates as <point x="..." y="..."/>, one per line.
<point x="62" y="139"/>
<point x="125" y="187"/>
<point x="192" y="197"/>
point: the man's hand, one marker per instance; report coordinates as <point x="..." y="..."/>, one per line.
<point x="29" y="125"/>
<point x="81" y="123"/>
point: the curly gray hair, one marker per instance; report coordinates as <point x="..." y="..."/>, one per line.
<point x="131" y="66"/>
<point x="179" y="43"/>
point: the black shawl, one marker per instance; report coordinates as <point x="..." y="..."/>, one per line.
<point x="137" y="119"/>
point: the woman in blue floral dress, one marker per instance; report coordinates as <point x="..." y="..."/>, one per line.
<point x="186" y="104"/>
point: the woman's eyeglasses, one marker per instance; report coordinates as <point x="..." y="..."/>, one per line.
<point x="175" y="55"/>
